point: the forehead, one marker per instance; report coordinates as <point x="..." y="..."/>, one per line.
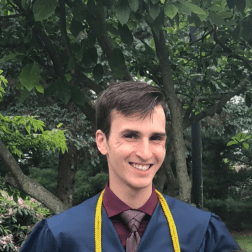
<point x="154" y="121"/>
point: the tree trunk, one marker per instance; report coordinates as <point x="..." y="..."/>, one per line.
<point x="16" y="178"/>
<point x="67" y="169"/>
<point x="176" y="117"/>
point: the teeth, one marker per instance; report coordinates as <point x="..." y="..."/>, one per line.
<point x="140" y="167"/>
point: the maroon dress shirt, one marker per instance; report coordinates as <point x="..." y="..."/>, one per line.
<point x="114" y="206"/>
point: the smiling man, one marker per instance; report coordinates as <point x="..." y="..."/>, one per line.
<point x="135" y="152"/>
<point x="129" y="214"/>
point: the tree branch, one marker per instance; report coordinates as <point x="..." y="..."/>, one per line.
<point x="89" y="111"/>
<point x="246" y="62"/>
<point x="82" y="78"/>
<point x="106" y="44"/>
<point x="21" y="182"/>
<point x="203" y="37"/>
<point x="11" y="16"/>
<point x="216" y="108"/>
<point x="63" y="28"/>
<point x="53" y="52"/>
<point x="219" y="42"/>
<point x="195" y="100"/>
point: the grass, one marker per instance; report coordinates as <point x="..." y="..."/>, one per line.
<point x="244" y="240"/>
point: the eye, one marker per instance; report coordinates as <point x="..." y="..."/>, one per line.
<point x="157" y="137"/>
<point x="135" y="136"/>
<point x="130" y="135"/>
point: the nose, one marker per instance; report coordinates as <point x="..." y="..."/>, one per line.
<point x="144" y="150"/>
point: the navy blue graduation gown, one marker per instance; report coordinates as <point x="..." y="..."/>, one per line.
<point x="73" y="231"/>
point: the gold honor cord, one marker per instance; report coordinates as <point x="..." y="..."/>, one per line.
<point x="167" y="213"/>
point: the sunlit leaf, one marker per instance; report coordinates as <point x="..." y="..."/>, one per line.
<point x="154" y="10"/>
<point x="194" y="8"/>
<point x="170" y="10"/>
<point x="30" y="76"/>
<point x="134" y="5"/>
<point x="246" y="146"/>
<point x="123" y="12"/>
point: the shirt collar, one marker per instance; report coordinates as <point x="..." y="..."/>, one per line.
<point x="113" y="205"/>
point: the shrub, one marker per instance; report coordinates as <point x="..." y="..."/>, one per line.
<point x="18" y="217"/>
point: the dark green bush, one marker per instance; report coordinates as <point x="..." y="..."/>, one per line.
<point x="237" y="215"/>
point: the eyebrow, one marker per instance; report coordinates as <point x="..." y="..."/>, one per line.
<point x="163" y="134"/>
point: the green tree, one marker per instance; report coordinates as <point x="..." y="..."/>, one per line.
<point x="25" y="132"/>
<point x="69" y="51"/>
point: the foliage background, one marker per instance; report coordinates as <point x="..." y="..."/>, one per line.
<point x="59" y="55"/>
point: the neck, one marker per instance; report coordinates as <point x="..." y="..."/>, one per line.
<point x="133" y="197"/>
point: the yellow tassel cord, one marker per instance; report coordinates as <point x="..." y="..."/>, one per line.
<point x="98" y="222"/>
<point x="173" y="229"/>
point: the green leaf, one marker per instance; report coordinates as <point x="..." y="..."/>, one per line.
<point x="76" y="27"/>
<point x="123" y="12"/>
<point x="231" y="143"/>
<point x="98" y="72"/>
<point x="237" y="32"/>
<point x="96" y="27"/>
<point x="68" y="77"/>
<point x="10" y="56"/>
<point x="77" y="96"/>
<point x="24" y="95"/>
<point x="91" y="6"/>
<point x="91" y="40"/>
<point x="134" y="5"/>
<point x="170" y="10"/>
<point x="194" y="19"/>
<point x="40" y="89"/>
<point x="148" y="49"/>
<point x="194" y="8"/>
<point x="239" y="136"/>
<point x="86" y="60"/>
<point x="125" y="34"/>
<point x="155" y="1"/>
<point x="246" y="146"/>
<point x="79" y="10"/>
<point x="23" y="4"/>
<point x="241" y="5"/>
<point x="30" y="76"/>
<point x="117" y="63"/>
<point x="231" y="3"/>
<point x="154" y="10"/>
<point x="183" y="8"/>
<point x="42" y="9"/>
<point x="93" y="54"/>
<point x="51" y="90"/>
<point x="112" y="29"/>
<point x="63" y="91"/>
<point x="216" y="19"/>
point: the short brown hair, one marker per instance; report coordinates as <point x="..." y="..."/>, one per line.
<point x="128" y="98"/>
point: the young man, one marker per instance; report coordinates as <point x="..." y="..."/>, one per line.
<point x="130" y="215"/>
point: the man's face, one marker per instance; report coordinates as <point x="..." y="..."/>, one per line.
<point x="142" y="146"/>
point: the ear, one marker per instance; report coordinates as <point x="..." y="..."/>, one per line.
<point x="101" y="142"/>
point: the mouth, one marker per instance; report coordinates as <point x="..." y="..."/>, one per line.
<point x="145" y="169"/>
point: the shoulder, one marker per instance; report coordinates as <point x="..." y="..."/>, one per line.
<point x="83" y="213"/>
<point x="188" y="219"/>
<point x="180" y="208"/>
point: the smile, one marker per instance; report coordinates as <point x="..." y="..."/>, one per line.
<point x="140" y="167"/>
